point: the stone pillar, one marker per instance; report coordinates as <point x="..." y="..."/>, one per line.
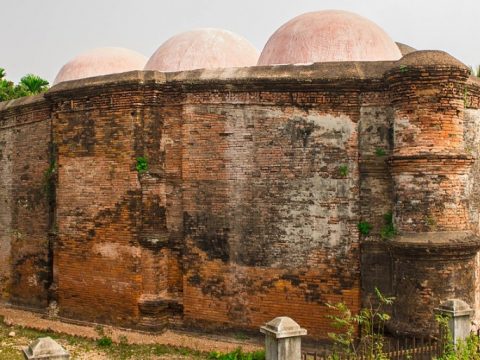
<point x="283" y="339"/>
<point x="459" y="315"/>
<point x="429" y="165"/>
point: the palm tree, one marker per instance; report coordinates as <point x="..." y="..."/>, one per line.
<point x="33" y="84"/>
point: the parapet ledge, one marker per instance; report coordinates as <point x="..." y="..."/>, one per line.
<point x="424" y="58"/>
<point x="286" y="74"/>
<point x="22" y="102"/>
<point x="332" y="73"/>
<point x="113" y="80"/>
<point x="315" y="72"/>
<point x="449" y="244"/>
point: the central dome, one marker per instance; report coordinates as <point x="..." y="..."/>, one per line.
<point x="203" y="49"/>
<point x="329" y="35"/>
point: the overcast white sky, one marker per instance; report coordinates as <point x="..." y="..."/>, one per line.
<point x="39" y="36"/>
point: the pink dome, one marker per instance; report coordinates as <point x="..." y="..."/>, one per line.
<point x="203" y="49"/>
<point x="329" y="35"/>
<point x="101" y="61"/>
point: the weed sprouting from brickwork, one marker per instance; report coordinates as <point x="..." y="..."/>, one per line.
<point x="142" y="164"/>
<point x="388" y="230"/>
<point x="364" y="227"/>
<point x="380" y="152"/>
<point x="343" y="170"/>
<point x="49" y="181"/>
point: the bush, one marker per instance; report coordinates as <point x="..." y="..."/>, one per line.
<point x="104" y="341"/>
<point x="237" y="354"/>
<point x="370" y="320"/>
<point x="467" y="349"/>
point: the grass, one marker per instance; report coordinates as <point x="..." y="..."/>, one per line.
<point x="10" y="347"/>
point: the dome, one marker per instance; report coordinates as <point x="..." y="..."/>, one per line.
<point x="203" y="49"/>
<point x="329" y="35"/>
<point x="101" y="61"/>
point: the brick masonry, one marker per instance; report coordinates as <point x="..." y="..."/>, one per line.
<point x="256" y="181"/>
<point x="25" y="219"/>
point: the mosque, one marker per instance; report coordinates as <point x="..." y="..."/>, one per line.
<point x="215" y="187"/>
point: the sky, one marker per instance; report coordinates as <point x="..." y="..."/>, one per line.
<point x="40" y="36"/>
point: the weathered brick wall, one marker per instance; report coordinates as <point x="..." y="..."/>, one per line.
<point x="270" y="196"/>
<point x="431" y="169"/>
<point x="98" y="206"/>
<point x="472" y="146"/>
<point x="256" y="182"/>
<point x="430" y="165"/>
<point x="427" y="276"/>
<point x="117" y="258"/>
<point x="161" y="235"/>
<point x="376" y="192"/>
<point x="25" y="269"/>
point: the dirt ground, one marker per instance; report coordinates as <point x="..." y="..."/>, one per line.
<point x="82" y="340"/>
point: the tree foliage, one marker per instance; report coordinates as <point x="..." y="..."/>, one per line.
<point x="28" y="85"/>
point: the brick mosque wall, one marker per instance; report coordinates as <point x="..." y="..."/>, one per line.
<point x="431" y="170"/>
<point x="25" y="219"/>
<point x="472" y="147"/>
<point x="256" y="181"/>
<point x="270" y="219"/>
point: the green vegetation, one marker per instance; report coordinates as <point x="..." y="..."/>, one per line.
<point x="106" y="347"/>
<point x="142" y="164"/>
<point x="364" y="227"/>
<point x="343" y="170"/>
<point x="371" y="322"/>
<point x="430" y="222"/>
<point x="380" y="152"/>
<point x="403" y="68"/>
<point x="49" y="181"/>
<point x="237" y="355"/>
<point x="464" y="350"/>
<point x="104" y="341"/>
<point x="388" y="230"/>
<point x="29" y="85"/>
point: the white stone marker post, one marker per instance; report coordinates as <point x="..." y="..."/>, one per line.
<point x="45" y="348"/>
<point x="283" y="339"/>
<point x="459" y="315"/>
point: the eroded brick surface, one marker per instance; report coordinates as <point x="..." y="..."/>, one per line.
<point x="249" y="207"/>
<point x="25" y="269"/>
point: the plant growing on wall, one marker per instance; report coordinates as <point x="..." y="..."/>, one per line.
<point x="142" y="164"/>
<point x="380" y="152"/>
<point x="49" y="181"/>
<point x="364" y="227"/>
<point x="388" y="230"/>
<point x="343" y="170"/>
